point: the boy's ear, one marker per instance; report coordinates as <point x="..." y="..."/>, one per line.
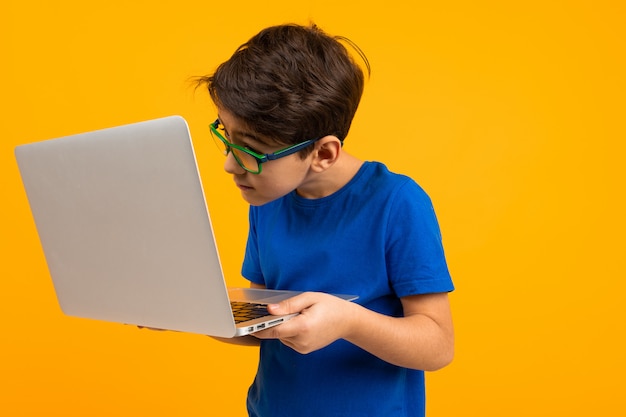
<point x="326" y="152"/>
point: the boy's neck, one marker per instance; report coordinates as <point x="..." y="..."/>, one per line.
<point x="331" y="180"/>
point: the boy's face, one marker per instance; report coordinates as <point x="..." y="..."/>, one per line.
<point x="278" y="177"/>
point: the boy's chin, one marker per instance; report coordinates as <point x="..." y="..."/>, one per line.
<point x="258" y="201"/>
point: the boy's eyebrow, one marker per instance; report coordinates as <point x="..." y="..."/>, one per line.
<point x="248" y="135"/>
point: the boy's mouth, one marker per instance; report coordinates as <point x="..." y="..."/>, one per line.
<point x="243" y="187"/>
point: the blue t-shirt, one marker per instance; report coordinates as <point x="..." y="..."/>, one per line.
<point x="378" y="238"/>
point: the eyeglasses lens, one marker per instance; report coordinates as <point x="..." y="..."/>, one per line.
<point x="219" y="142"/>
<point x="245" y="160"/>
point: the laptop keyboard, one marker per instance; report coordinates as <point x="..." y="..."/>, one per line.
<point x="244" y="311"/>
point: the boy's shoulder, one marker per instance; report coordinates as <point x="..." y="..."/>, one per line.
<point x="377" y="174"/>
<point x="373" y="185"/>
<point x="380" y="170"/>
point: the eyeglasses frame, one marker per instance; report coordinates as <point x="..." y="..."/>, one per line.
<point x="260" y="158"/>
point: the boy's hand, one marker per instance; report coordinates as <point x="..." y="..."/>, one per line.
<point x="323" y="319"/>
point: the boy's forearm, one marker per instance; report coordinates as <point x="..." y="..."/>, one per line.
<point x="415" y="341"/>
<point x="422" y="339"/>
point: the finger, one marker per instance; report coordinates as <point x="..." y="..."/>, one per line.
<point x="285" y="330"/>
<point x="292" y="305"/>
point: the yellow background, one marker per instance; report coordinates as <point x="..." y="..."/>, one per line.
<point x="510" y="114"/>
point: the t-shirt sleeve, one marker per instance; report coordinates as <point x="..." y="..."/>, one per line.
<point x="415" y="256"/>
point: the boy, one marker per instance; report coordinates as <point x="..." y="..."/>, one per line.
<point x="324" y="221"/>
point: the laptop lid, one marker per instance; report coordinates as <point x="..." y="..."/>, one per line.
<point x="124" y="227"/>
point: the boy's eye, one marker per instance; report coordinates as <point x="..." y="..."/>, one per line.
<point x="253" y="150"/>
<point x="223" y="129"/>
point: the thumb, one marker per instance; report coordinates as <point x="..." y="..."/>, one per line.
<point x="291" y="305"/>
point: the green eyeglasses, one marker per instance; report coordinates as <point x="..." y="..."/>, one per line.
<point x="247" y="159"/>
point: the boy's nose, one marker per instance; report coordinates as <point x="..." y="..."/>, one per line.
<point x="232" y="166"/>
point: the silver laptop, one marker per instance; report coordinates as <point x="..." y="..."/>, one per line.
<point x="127" y="237"/>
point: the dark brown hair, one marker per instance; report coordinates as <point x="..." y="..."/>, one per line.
<point x="290" y="83"/>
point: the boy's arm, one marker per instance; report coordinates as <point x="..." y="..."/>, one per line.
<point x="422" y="339"/>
